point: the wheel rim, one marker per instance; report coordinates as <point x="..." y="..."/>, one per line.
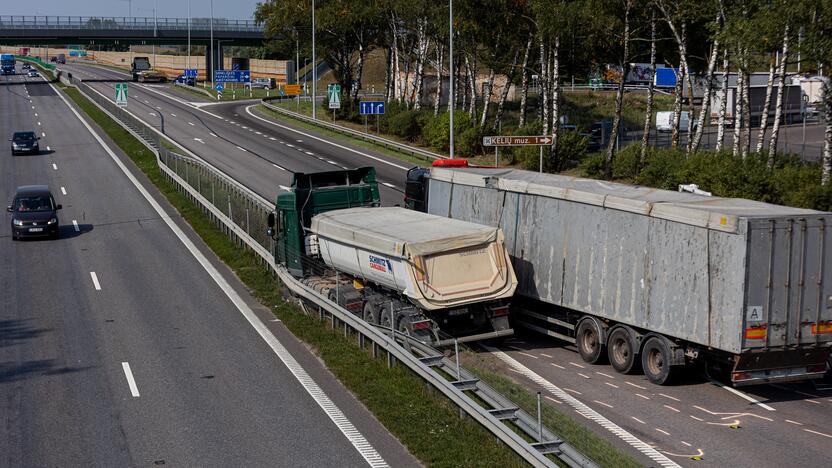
<point x="655" y="361"/>
<point x="620" y="351"/>
<point x="589" y="341"/>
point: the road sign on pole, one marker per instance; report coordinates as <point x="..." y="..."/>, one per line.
<point x="121" y="94"/>
<point x="371" y="107"/>
<point x="292" y="89"/>
<point x="232" y="76"/>
<point x="191" y="73"/>
<point x="517" y="140"/>
<point x="334" y="94"/>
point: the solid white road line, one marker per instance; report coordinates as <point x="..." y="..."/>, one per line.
<point x="63" y="190"/>
<point x="95" y="281"/>
<point x="134" y="390"/>
<point x="585" y="410"/>
<point x="275" y="165"/>
<point x="248" y="110"/>
<point x="241" y="148"/>
<point x="744" y="396"/>
<point x="75" y="225"/>
<point x="54" y="166"/>
<point x="358" y="441"/>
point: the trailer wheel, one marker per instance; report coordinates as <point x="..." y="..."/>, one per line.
<point x="370" y="313"/>
<point x="589" y="341"/>
<point x="621" y="350"/>
<point x="655" y="359"/>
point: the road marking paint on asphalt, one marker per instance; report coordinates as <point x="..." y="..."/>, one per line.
<point x="556" y="365"/>
<point x="636" y="386"/>
<point x="214" y="135"/>
<point x="335" y="164"/>
<point x="245" y="127"/>
<point x="637" y="419"/>
<point x="818" y="433"/>
<point x="663" y="432"/>
<point x="152" y="114"/>
<point x="611" y="384"/>
<point x="31" y="101"/>
<point x="146" y="102"/>
<point x="48" y="148"/>
<point x="807" y="394"/>
<point x="794" y="422"/>
<point x="310" y="153"/>
<point x="275" y="165"/>
<point x="576" y="364"/>
<point x="95" y="281"/>
<point x="290" y="145"/>
<point x="75" y="225"/>
<point x="36" y="114"/>
<point x="131" y="382"/>
<point x="685" y="443"/>
<point x="584" y="410"/>
<point x="159" y="107"/>
<point x="694" y="417"/>
<point x="670" y="397"/>
<point x="232" y="122"/>
<point x="39" y="123"/>
<point x="602" y="403"/>
<point x="173" y="115"/>
<point x="583" y="375"/>
<point x="642" y="396"/>
<point x="63" y="190"/>
<point x="605" y="375"/>
<point x="241" y="149"/>
<point x="388" y="184"/>
<point x="552" y="399"/>
<point x="43" y="134"/>
<point x="312" y="388"/>
<point x="199" y="140"/>
<point x="546" y="355"/>
<point x="272" y="138"/>
<point x="735" y="422"/>
<point x="744" y="396"/>
<point x="572" y="391"/>
<point x="671" y="408"/>
<point x="813" y="401"/>
<point x="248" y="110"/>
<point x="54" y="166"/>
<point x="283" y="187"/>
<point x="259" y="133"/>
<point x="191" y="124"/>
<point x="299" y="141"/>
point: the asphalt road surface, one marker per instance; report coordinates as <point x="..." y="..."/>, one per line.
<point x="120" y="347"/>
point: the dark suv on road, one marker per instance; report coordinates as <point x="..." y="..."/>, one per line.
<point x="34" y="213"/>
<point x="25" y="142"/>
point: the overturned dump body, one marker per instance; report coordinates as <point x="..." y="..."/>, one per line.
<point x="750" y="279"/>
<point x="435" y="262"/>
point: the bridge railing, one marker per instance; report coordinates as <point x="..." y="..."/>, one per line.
<point x="134" y="22"/>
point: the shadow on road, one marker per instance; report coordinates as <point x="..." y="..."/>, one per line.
<point x="14" y="331"/>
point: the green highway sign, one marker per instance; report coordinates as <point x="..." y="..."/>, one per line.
<point x="121" y="94"/>
<point x="334" y="93"/>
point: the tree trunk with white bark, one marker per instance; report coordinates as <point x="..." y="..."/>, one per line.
<point x="746" y="104"/>
<point x="706" y="99"/>
<point x="437" y="98"/>
<point x="723" y="103"/>
<point x="524" y="92"/>
<point x="553" y="151"/>
<point x="826" y="159"/>
<point x="738" y="110"/>
<point x="648" y="113"/>
<point x="619" y="95"/>
<point x="761" y="136"/>
<point x="504" y="93"/>
<point x="472" y="86"/>
<point x="544" y="87"/>
<point x="781" y="87"/>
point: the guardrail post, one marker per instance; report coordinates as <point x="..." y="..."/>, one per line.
<point x="539" y="420"/>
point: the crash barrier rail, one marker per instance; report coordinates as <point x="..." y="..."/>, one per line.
<point x="37" y="60"/>
<point x="241" y="214"/>
<point x="384" y="142"/>
<point x="121" y="23"/>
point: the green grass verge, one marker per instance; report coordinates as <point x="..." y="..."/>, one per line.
<point x="422" y="419"/>
<point x="343" y="138"/>
<point x="585" y="441"/>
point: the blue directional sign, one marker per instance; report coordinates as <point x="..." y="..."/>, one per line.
<point x="235" y="66"/>
<point x="371" y="107"/>
<point x="191" y="72"/>
<point x="219" y="87"/>
<point x="232" y="76"/>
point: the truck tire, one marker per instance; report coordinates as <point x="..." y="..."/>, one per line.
<point x="621" y="350"/>
<point x="370" y="313"/>
<point x="589" y="342"/>
<point x="655" y="360"/>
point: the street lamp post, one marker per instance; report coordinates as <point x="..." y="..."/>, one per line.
<point x="188" y="60"/>
<point x="211" y="47"/>
<point x="451" y="75"/>
<point x="314" y="67"/>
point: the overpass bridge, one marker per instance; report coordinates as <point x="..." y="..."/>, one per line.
<point x="99" y="30"/>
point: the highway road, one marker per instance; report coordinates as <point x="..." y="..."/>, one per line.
<point x="126" y="342"/>
<point x="696" y="422"/>
<point x="258" y="152"/>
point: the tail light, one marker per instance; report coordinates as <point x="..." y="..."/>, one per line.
<point x="817" y="368"/>
<point x="421" y="325"/>
<point x="821" y="328"/>
<point x="756" y="333"/>
<point x="499" y="311"/>
<point x="740" y="376"/>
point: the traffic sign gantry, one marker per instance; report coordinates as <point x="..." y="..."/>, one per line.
<point x="121" y="94"/>
<point x="516" y="140"/>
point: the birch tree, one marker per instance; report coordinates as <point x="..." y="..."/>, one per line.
<point x="781" y="87"/>
<point x="648" y="113"/>
<point x="723" y="102"/>
<point x="619" y="95"/>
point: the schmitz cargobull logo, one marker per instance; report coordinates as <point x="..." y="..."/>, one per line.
<point x="381" y="264"/>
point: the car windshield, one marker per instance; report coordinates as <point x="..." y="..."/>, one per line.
<point x="33" y="203"/>
<point x="23" y="136"/>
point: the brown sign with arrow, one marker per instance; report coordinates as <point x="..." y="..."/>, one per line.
<point x="516" y="140"/>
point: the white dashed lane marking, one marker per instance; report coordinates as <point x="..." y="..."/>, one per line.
<point x="63" y="190"/>
<point x="95" y="282"/>
<point x="131" y="381"/>
<point x="75" y="225"/>
<point x="54" y="166"/>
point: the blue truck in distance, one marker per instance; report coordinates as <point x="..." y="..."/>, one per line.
<point x="7" y="64"/>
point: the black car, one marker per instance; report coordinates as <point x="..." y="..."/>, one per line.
<point x="25" y="66"/>
<point x="25" y="142"/>
<point x="185" y="80"/>
<point x="34" y="213"/>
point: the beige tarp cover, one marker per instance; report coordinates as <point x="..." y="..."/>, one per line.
<point x="399" y="232"/>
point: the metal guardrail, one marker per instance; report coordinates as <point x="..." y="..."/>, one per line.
<point x="125" y="22"/>
<point x="384" y="142"/>
<point x="241" y="214"/>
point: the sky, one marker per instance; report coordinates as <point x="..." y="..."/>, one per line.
<point x="230" y="9"/>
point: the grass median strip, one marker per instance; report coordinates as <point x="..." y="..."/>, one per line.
<point x="422" y="419"/>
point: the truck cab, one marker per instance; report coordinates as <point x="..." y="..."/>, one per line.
<point x="139" y="65"/>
